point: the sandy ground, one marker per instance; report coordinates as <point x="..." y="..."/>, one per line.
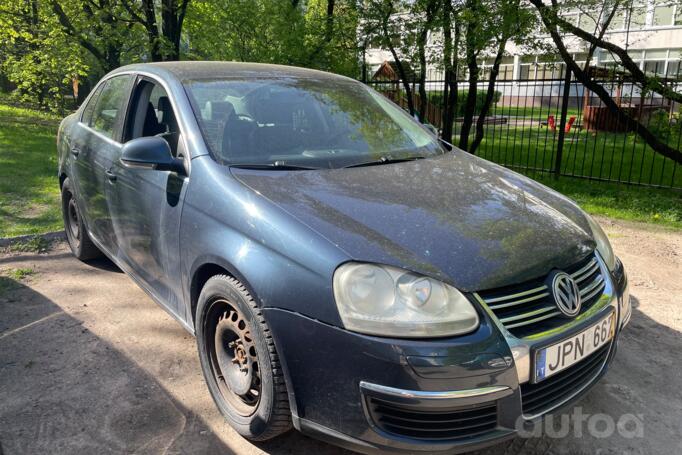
<point x="89" y="364"/>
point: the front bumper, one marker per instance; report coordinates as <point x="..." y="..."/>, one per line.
<point x="348" y="389"/>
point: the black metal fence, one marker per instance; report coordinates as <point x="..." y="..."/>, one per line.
<point x="523" y="129"/>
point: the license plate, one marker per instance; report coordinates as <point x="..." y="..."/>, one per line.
<point x="559" y="356"/>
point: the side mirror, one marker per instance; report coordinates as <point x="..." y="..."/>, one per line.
<point x="150" y="153"/>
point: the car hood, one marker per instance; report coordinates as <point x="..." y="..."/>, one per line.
<point x="454" y="217"/>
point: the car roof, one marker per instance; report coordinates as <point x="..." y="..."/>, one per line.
<point x="196" y="70"/>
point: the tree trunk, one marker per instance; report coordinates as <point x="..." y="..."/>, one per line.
<point x="490" y="94"/>
<point x="398" y="63"/>
<point x="421" y="45"/>
<point x="451" y="63"/>
<point x="152" y="30"/>
<point x="470" y="107"/>
<point x="406" y="83"/>
<point x="470" y="41"/>
<point x="170" y="28"/>
<point x="329" y="21"/>
<point x="422" y="38"/>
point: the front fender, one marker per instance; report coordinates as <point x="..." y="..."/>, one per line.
<point x="283" y="263"/>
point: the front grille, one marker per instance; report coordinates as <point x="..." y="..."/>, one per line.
<point x="427" y="424"/>
<point x="529" y="308"/>
<point x="543" y="396"/>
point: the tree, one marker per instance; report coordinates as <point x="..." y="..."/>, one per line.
<point x="388" y="21"/>
<point x="315" y="34"/>
<point x="97" y="26"/>
<point x="451" y="38"/>
<point x="510" y="22"/>
<point x="163" y="40"/>
<point x="559" y="29"/>
<point x="428" y="9"/>
<point x="36" y="56"/>
<point x="488" y="27"/>
<point x="476" y="36"/>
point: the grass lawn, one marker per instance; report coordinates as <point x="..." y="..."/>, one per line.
<point x="535" y="112"/>
<point x="29" y="189"/>
<point x="610" y="156"/>
<point x="649" y="205"/>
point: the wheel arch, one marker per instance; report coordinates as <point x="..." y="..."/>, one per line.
<point x="203" y="271"/>
<point x="209" y="266"/>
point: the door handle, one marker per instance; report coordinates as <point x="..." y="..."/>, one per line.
<point x="110" y="175"/>
<point x="75" y="151"/>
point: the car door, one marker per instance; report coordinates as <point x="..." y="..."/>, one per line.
<point x="146" y="204"/>
<point x="94" y="147"/>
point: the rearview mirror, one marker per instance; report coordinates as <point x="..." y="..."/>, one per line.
<point x="150" y="153"/>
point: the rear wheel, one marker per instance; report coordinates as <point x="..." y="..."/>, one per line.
<point x="240" y="362"/>
<point x="76" y="233"/>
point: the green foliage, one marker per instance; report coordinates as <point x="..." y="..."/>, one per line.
<point x="36" y="56"/>
<point x="659" y="124"/>
<point x="35" y="244"/>
<point x="20" y="273"/>
<point x="275" y="31"/>
<point x="436" y="98"/>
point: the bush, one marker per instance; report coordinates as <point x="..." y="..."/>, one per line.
<point x="436" y="98"/>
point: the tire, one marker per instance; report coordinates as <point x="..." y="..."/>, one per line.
<point x="240" y="362"/>
<point x="76" y="233"/>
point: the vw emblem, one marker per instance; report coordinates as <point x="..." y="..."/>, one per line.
<point x="566" y="294"/>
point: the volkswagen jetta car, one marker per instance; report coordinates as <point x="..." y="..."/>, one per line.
<point x="344" y="271"/>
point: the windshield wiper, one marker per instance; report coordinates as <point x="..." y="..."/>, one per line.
<point x="385" y="160"/>
<point x="277" y="165"/>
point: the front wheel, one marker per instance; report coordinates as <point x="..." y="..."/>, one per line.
<point x="76" y="233"/>
<point x="240" y="362"/>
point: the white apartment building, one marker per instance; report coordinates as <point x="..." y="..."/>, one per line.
<point x="651" y="30"/>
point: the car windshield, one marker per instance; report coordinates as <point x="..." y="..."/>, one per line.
<point x="292" y="123"/>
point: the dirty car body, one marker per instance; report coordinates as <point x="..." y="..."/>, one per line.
<point x="418" y="298"/>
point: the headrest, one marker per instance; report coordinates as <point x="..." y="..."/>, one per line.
<point x="219" y="110"/>
<point x="166" y="110"/>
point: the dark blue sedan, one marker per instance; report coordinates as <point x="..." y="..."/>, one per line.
<point x="344" y="271"/>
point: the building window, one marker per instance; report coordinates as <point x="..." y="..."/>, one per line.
<point x="674" y="69"/>
<point x="571" y="18"/>
<point x="663" y="15"/>
<point x="654" y="67"/>
<point x="587" y="23"/>
<point x="638" y="16"/>
<point x="618" y="21"/>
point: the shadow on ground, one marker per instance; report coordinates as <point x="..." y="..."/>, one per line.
<point x="64" y="390"/>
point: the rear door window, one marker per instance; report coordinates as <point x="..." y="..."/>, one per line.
<point x="90" y="107"/>
<point x="110" y="105"/>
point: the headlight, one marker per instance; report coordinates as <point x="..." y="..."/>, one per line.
<point x="603" y="245"/>
<point x="386" y="301"/>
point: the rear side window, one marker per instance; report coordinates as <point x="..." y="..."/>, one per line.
<point x="90" y="107"/>
<point x="109" y="105"/>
